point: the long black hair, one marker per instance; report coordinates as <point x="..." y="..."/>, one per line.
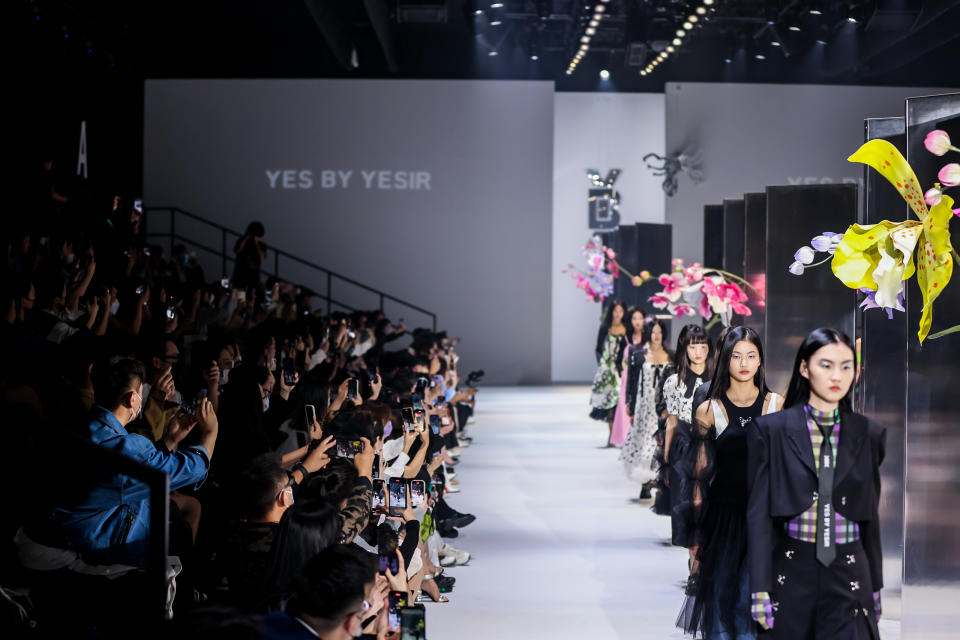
<point x="799" y="390"/>
<point x="691" y="334"/>
<point x="306" y="528"/>
<point x="648" y="331"/>
<point x="608" y="314"/>
<point x="720" y="380"/>
<point x="628" y="322"/>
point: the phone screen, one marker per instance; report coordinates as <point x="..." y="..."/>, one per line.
<point x="435" y="423"/>
<point x="289" y="371"/>
<point x="379" y="493"/>
<point x="396" y="603"/>
<point x="345" y="449"/>
<point x="171" y="312"/>
<point x="387" y="552"/>
<point x="138" y="205"/>
<point x="310" y="413"/>
<point x="352" y="390"/>
<point x="408" y="424"/>
<point x="418" y="492"/>
<point x="375" y="471"/>
<point x="413" y="623"/>
<point x="420" y="419"/>
<point x="398" y="496"/>
<point x="421" y="386"/>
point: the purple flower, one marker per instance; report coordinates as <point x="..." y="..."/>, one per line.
<point x="826" y="242"/>
<point x="796" y="268"/>
<point x="804" y="255"/>
<point x="870" y="302"/>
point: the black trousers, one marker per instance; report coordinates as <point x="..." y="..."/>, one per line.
<point x="813" y="602"/>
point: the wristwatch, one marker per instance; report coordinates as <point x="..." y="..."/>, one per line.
<point x="302" y="469"/>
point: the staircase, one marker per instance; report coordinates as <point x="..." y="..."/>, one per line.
<point x="214" y="245"/>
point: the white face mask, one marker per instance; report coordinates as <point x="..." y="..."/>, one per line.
<point x="273" y="364"/>
<point x="266" y="404"/>
<point x="140" y="410"/>
<point x="224" y="377"/>
<point x="114" y="306"/>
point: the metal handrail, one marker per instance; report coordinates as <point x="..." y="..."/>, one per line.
<point x="226" y="258"/>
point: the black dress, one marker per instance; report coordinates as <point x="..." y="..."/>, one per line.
<point x="718" y="598"/>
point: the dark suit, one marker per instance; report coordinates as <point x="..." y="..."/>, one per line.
<point x="782" y="476"/>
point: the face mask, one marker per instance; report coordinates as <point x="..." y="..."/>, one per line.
<point x="114" y="306"/>
<point x="70" y="258"/>
<point x="388" y="429"/>
<point x="224" y="377"/>
<point x="266" y="404"/>
<point x="273" y="364"/>
<point x="140" y="410"/>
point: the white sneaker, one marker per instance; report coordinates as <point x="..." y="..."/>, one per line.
<point x="452" y="488"/>
<point x="463" y="444"/>
<point x="455" y="452"/>
<point x="458" y="556"/>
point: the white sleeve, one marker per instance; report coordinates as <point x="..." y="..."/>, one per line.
<point x="396" y="469"/>
<point x="670" y="395"/>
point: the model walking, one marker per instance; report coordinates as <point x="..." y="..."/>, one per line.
<point x="633" y="348"/>
<point x="606" y="382"/>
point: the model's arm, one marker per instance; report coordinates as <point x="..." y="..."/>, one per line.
<point x="870" y="531"/>
<point x="760" y="534"/>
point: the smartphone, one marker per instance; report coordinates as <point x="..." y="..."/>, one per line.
<point x="352" y="388"/>
<point x="408" y="424"/>
<point x="420" y="419"/>
<point x="397" y="496"/>
<point x="435" y="424"/>
<point x="375" y="471"/>
<point x="139" y="290"/>
<point x="379" y="493"/>
<point x="289" y="372"/>
<point x="395" y="604"/>
<point x="241" y="296"/>
<point x="138" y="205"/>
<point x="310" y="415"/>
<point x="413" y="623"/>
<point x="438" y="479"/>
<point x="421" y="386"/>
<point x="418" y="492"/>
<point x="387" y="552"/>
<point x="225" y="283"/>
<point x="171" y="312"/>
<point x="349" y="448"/>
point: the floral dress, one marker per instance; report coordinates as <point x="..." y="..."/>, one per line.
<point x="639" y="451"/>
<point x="606" y="382"/>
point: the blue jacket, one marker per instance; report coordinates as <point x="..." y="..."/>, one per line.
<point x="109" y="515"/>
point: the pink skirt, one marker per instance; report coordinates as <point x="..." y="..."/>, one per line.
<point x="621" y="419"/>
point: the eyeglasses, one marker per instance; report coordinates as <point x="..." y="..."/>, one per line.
<point x="171" y="359"/>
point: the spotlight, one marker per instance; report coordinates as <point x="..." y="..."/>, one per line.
<point x="794" y="27"/>
<point x="681" y="33"/>
<point x="687" y="26"/>
<point x="492" y="53"/>
<point x="569" y="72"/>
<point x="821" y="41"/>
<point x="760" y="56"/>
<point x="495" y="23"/>
<point x="708" y="2"/>
<point x="852" y="20"/>
<point x="594" y="23"/>
<point x="597" y="16"/>
<point x="816" y="12"/>
<point x="590" y="31"/>
<point x="644" y="72"/>
<point x="701" y="10"/>
<point x="677" y="41"/>
<point x="775" y="43"/>
<point x="599" y="8"/>
<point x="585" y="39"/>
<point x="670" y="48"/>
<point x="496" y="5"/>
<point x="693" y="18"/>
<point x="728" y="60"/>
<point x="478" y="12"/>
<point x="604" y="74"/>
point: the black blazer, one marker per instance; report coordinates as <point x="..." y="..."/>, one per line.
<point x="782" y="477"/>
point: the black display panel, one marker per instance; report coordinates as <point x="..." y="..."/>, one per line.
<point x="755" y="257"/>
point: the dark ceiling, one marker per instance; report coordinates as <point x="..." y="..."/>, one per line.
<point x="880" y="42"/>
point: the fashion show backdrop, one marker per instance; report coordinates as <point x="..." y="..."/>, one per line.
<point x="437" y="192"/>
<point x="743" y="137"/>
<point x="601" y="131"/>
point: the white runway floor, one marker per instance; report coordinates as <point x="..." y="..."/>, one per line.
<point x="559" y="550"/>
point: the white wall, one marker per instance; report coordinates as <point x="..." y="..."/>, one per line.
<point x="600" y="131"/>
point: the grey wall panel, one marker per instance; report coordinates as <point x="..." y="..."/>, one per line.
<point x="931" y="579"/>
<point x="881" y="392"/>
<point x="755" y="256"/>
<point x="797" y="305"/>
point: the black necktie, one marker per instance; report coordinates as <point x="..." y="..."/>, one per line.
<point x="826" y="551"/>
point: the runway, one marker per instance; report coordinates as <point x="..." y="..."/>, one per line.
<point x="559" y="550"/>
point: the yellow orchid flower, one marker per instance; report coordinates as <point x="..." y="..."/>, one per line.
<point x="935" y="262"/>
<point x="890" y="163"/>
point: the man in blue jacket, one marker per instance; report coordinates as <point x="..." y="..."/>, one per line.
<point x="107" y="517"/>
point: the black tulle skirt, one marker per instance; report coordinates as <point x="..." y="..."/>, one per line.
<point x="718" y="597"/>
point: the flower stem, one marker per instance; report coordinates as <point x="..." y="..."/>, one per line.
<point x="940" y="334"/>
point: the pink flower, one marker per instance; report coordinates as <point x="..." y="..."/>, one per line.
<point x="694" y="272"/>
<point x="733" y="292"/>
<point x="956" y="211"/>
<point x="705" y="310"/>
<point x="614" y="268"/>
<point x="672" y="285"/>
<point x="660" y="302"/>
<point x="682" y="309"/>
<point x="610" y="253"/>
<point x="949" y="175"/>
<point x="933" y="197"/>
<point x="742" y="309"/>
<point x="937" y="142"/>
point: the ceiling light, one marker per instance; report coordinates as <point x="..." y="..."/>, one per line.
<point x="687" y="26"/>
<point x="590" y="31"/>
<point x="701" y="10"/>
<point x="708" y="2"/>
<point x="597" y="16"/>
<point x="821" y="41"/>
<point x="496" y="5"/>
<point x="760" y="56"/>
<point x="794" y="27"/>
<point x="604" y="74"/>
<point x="534" y="57"/>
<point x="644" y="72"/>
<point x="594" y="23"/>
<point x="728" y="60"/>
<point x="495" y="23"/>
<point x="677" y="41"/>
<point x="584" y="48"/>
<point x="852" y="20"/>
<point x="478" y="12"/>
<point x="681" y="33"/>
<point x="492" y="53"/>
<point x="670" y="49"/>
<point x="599" y="8"/>
<point x="585" y="39"/>
<point x="816" y="12"/>
<point x="693" y="18"/>
<point x="775" y="43"/>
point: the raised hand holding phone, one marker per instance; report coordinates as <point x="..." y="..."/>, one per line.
<point x="363" y="461"/>
<point x="177" y="429"/>
<point x="319" y="458"/>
